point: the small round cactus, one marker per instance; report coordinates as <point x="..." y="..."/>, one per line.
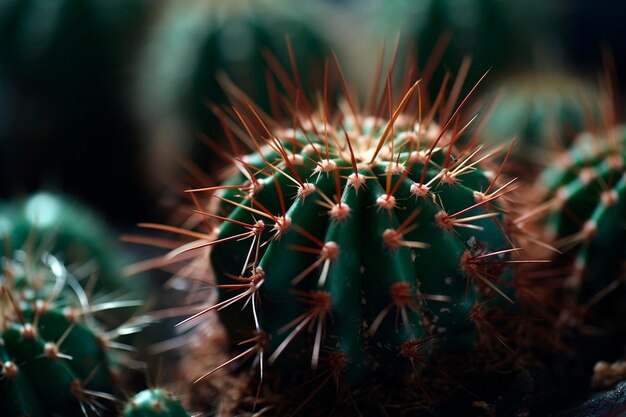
<point x="357" y="242"/>
<point x="585" y="198"/>
<point x="54" y="360"/>
<point x="541" y="110"/>
<point x="70" y="231"/>
<point x="154" y="403"/>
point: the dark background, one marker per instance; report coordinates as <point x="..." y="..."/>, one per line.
<point x="78" y="78"/>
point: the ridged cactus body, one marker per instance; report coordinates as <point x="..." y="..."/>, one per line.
<point x="54" y="360"/>
<point x="365" y="248"/>
<point x="586" y="198"/>
<point x="154" y="403"/>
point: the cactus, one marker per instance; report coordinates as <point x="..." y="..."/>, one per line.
<point x="363" y="243"/>
<point x="154" y="403"/>
<point x="542" y="110"/>
<point x="584" y="196"/>
<point x="71" y="232"/>
<point x="203" y="41"/>
<point x="55" y="361"/>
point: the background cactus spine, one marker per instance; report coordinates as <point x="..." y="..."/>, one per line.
<point x="50" y="338"/>
<point x="67" y="313"/>
<point x="581" y="211"/>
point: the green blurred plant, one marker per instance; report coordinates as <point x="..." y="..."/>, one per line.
<point x="57" y="357"/>
<point x="76" y="235"/>
<point x="154" y="403"/>
<point x="204" y="54"/>
<point x="585" y="201"/>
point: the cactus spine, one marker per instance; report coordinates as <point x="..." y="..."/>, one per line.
<point x="585" y="196"/>
<point x="58" y="343"/>
<point x="54" y="361"/>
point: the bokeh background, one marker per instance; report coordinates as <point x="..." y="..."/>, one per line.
<point x="103" y="100"/>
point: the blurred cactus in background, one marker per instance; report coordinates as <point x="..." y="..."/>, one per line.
<point x="57" y="357"/>
<point x="584" y="202"/>
<point x="504" y="36"/>
<point x="197" y="48"/>
<point x="543" y="112"/>
<point x="67" y="229"/>
<point x="70" y="318"/>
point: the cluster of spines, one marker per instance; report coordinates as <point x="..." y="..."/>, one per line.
<point x="301" y="203"/>
<point x="583" y="214"/>
<point x="55" y="360"/>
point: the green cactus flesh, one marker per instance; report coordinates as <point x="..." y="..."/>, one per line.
<point x="154" y="403"/>
<point x="541" y="110"/>
<point x="365" y="252"/>
<point x="54" y="362"/>
<point x="70" y="231"/>
<point x="587" y="202"/>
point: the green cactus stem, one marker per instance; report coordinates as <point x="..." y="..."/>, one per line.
<point x="154" y="403"/>
<point x="56" y="357"/>
<point x="585" y="202"/>
<point x="356" y="241"/>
